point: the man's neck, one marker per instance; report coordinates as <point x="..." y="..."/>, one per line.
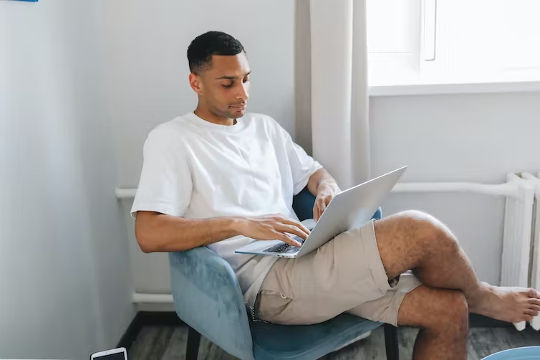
<point x="208" y="116"/>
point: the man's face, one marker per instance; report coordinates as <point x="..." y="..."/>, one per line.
<point x="224" y="88"/>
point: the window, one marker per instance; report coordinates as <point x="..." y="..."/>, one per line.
<point x="452" y="41"/>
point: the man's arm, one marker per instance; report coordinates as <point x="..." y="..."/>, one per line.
<point x="160" y="232"/>
<point x="324" y="187"/>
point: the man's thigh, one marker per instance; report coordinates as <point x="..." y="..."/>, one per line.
<point x="343" y="273"/>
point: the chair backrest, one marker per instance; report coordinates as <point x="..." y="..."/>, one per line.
<point x="303" y="204"/>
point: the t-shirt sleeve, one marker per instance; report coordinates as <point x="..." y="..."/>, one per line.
<point x="165" y="184"/>
<point x="302" y="165"/>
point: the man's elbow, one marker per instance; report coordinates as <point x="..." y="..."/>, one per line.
<point x="144" y="247"/>
<point x="143" y="242"/>
<point x="142" y="234"/>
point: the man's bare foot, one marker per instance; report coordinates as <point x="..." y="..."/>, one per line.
<point x="512" y="304"/>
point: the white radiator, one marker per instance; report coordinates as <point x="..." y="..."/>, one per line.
<point x="534" y="272"/>
<point x="520" y="261"/>
<point x="517" y="236"/>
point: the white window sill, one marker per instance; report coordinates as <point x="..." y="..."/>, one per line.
<point x="454" y="88"/>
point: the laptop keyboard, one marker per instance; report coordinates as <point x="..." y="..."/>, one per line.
<point x="285" y="248"/>
<point x="279" y="248"/>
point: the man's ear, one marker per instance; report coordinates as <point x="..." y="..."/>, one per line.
<point x="195" y="83"/>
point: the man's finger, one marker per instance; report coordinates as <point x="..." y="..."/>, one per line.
<point x="292" y="230"/>
<point x="329" y="200"/>
<point x="319" y="209"/>
<point x="288" y="239"/>
<point x="297" y="224"/>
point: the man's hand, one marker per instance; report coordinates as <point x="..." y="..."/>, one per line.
<point x="272" y="227"/>
<point x="324" y="186"/>
<point x="325" y="194"/>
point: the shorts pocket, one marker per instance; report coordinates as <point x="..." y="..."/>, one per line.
<point x="271" y="305"/>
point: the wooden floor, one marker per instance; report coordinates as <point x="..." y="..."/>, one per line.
<point x="169" y="342"/>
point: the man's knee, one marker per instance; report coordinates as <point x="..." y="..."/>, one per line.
<point x="408" y="239"/>
<point x="430" y="232"/>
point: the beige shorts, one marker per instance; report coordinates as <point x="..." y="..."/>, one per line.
<point x="344" y="275"/>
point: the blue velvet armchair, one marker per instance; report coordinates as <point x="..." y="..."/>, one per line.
<point x="207" y="297"/>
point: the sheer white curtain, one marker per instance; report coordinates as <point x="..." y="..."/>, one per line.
<point x="339" y="96"/>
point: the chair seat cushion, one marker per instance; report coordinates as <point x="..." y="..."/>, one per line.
<point x="271" y="341"/>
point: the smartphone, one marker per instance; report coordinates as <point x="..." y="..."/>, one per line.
<point x="113" y="354"/>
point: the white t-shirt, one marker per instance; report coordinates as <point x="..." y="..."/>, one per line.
<point x="197" y="169"/>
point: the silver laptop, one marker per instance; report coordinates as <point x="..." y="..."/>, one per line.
<point x="348" y="209"/>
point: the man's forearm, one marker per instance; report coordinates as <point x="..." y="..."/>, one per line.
<point x="160" y="232"/>
<point x="321" y="180"/>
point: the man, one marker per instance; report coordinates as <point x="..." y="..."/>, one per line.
<point x="221" y="177"/>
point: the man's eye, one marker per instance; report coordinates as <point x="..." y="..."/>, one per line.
<point x="227" y="86"/>
<point x="246" y="80"/>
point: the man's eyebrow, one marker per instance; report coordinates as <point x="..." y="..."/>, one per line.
<point x="231" y="77"/>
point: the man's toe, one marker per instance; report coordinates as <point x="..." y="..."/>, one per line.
<point x="533" y="293"/>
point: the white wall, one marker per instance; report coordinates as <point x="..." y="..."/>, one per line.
<point x="64" y="276"/>
<point x="468" y="137"/>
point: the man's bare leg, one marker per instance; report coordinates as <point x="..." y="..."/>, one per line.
<point x="418" y="241"/>
<point x="443" y="318"/>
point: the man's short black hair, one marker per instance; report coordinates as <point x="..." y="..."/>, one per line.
<point x="202" y="48"/>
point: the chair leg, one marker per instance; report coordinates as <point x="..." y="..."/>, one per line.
<point x="391" y="342"/>
<point x="193" y="340"/>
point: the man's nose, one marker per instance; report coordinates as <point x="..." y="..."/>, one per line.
<point x="242" y="92"/>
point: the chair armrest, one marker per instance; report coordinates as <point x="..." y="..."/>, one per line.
<point x="208" y="298"/>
